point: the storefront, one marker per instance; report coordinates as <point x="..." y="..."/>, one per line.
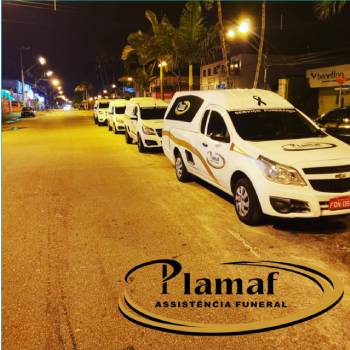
<point x="333" y="84"/>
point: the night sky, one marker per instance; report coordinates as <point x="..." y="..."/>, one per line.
<point x="73" y="36"/>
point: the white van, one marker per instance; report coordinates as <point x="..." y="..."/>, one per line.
<point x="101" y="111"/>
<point x="256" y="146"/>
<point x="144" y="122"/>
<point x="116" y="115"/>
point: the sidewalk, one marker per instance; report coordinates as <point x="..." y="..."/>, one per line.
<point x="11" y="118"/>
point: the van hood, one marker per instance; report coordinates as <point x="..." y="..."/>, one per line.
<point x="154" y="123"/>
<point x="301" y="151"/>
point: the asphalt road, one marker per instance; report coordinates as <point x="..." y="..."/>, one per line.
<point x="81" y="208"/>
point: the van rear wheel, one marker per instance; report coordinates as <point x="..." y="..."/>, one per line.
<point x="181" y="172"/>
<point x="247" y="204"/>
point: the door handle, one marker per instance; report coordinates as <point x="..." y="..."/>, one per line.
<point x="204" y="144"/>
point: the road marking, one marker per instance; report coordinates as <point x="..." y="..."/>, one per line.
<point x="245" y="243"/>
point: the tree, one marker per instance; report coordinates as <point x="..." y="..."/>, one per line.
<point x="84" y="89"/>
<point x="190" y="37"/>
<point x="139" y="57"/>
<point x="261" y="44"/>
<point x="209" y="4"/>
<point x="326" y="8"/>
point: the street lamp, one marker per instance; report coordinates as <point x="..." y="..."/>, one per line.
<point x="55" y="82"/>
<point x="244" y="26"/>
<point x="105" y="91"/>
<point x="42" y="60"/>
<point x="130" y="79"/>
<point x="49" y="73"/>
<point x="161" y="65"/>
<point x="230" y="33"/>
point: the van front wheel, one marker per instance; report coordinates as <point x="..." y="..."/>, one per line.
<point x="247" y="203"/>
<point x="181" y="172"/>
<point x="128" y="139"/>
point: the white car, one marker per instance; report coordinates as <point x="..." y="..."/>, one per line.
<point x="116" y="115"/>
<point x="144" y="122"/>
<point x="101" y="111"/>
<point x="256" y="146"/>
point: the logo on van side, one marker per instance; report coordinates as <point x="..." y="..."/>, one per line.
<point x="215" y="160"/>
<point x="182" y="107"/>
<point x="307" y="146"/>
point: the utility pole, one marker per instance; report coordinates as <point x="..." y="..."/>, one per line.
<point x="22" y="73"/>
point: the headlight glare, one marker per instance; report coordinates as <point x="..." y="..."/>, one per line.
<point x="147" y="130"/>
<point x="280" y="173"/>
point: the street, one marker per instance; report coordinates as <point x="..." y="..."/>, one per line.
<point x="81" y="208"/>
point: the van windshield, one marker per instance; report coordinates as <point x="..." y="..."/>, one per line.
<point x="103" y="105"/>
<point x="278" y="124"/>
<point x="119" y="110"/>
<point x="153" y="113"/>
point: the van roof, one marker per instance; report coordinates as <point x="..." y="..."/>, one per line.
<point x="118" y="102"/>
<point x="149" y="102"/>
<point x="240" y="99"/>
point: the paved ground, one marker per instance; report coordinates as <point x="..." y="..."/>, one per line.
<point x="80" y="208"/>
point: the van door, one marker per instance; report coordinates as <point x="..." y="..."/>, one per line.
<point x="215" y="147"/>
<point x="133" y="121"/>
<point x="195" y="155"/>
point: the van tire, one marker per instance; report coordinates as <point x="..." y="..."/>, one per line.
<point x="246" y="201"/>
<point x="109" y="127"/>
<point x="180" y="169"/>
<point x="128" y="139"/>
<point x="115" y="129"/>
<point x="140" y="146"/>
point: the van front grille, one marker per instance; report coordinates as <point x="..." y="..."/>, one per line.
<point x="331" y="185"/>
<point x="327" y="170"/>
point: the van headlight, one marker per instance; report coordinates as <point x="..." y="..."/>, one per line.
<point x="148" y="131"/>
<point x="280" y="173"/>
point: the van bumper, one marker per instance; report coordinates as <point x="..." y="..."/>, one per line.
<point x="303" y="201"/>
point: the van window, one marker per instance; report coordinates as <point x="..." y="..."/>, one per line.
<point x="204" y="121"/>
<point x="217" y="129"/>
<point x="119" y="110"/>
<point x="267" y="125"/>
<point x="153" y="113"/>
<point x="103" y="105"/>
<point x="185" y="108"/>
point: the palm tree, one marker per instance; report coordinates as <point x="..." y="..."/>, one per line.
<point x="209" y="5"/>
<point x="190" y="38"/>
<point x="83" y="88"/>
<point x="326" y="8"/>
<point x="140" y="58"/>
<point x="261" y="44"/>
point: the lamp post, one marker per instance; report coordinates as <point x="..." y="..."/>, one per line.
<point x="41" y="60"/>
<point x="161" y="65"/>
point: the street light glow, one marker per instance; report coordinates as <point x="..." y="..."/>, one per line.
<point x="230" y="33"/>
<point x="162" y="64"/>
<point x="114" y="86"/>
<point x="105" y="91"/>
<point x="49" y="73"/>
<point x="99" y="96"/>
<point x="129" y="78"/>
<point x="55" y="82"/>
<point x="42" y="60"/>
<point x="60" y="92"/>
<point x="244" y="26"/>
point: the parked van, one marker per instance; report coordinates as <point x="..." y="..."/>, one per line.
<point x="116" y="115"/>
<point x="144" y="122"/>
<point x="101" y="111"/>
<point x="256" y="146"/>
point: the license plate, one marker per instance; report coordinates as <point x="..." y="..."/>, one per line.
<point x="339" y="203"/>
